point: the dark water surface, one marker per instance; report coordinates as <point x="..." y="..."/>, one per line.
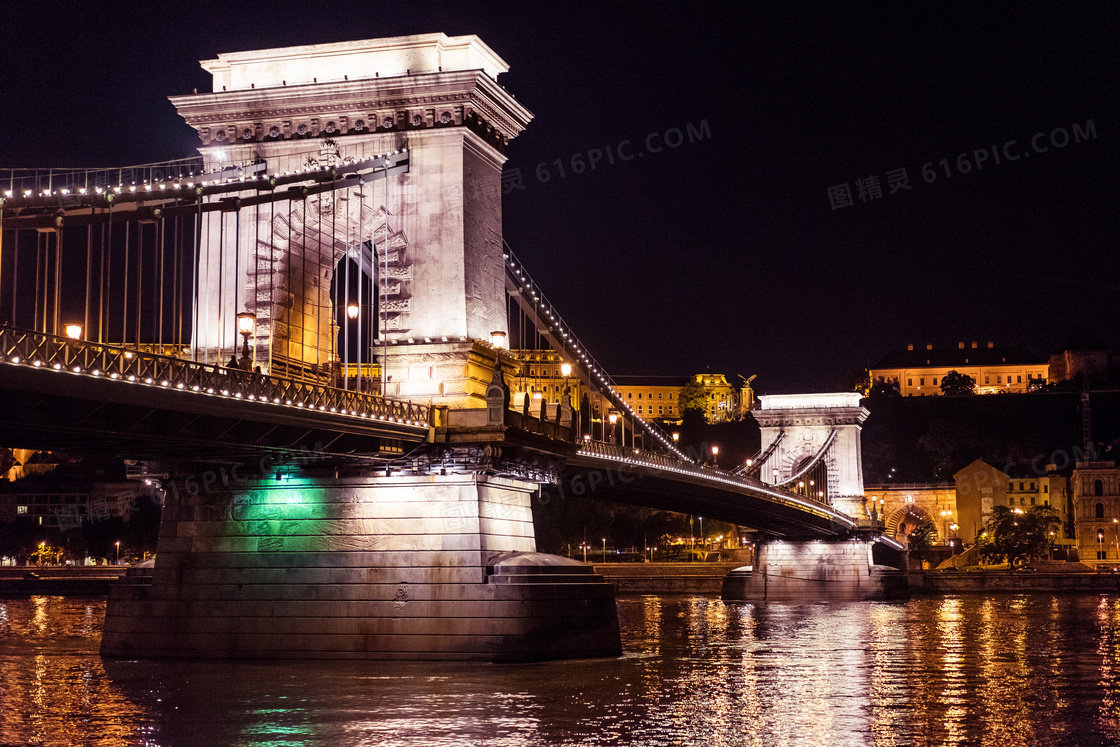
<point x="1010" y="670"/>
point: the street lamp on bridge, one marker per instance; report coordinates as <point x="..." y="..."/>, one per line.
<point x="74" y="331"/>
<point x="246" y="323"/>
<point x="351" y="314"/>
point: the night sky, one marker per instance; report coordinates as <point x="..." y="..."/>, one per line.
<point x="724" y="253"/>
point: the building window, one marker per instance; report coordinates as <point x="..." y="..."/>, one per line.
<point x="639" y="408"/>
<point x="639" y="395"/>
<point x="1102" y="554"/>
<point x="1032" y="486"/>
<point x="909" y="382"/>
<point x="1098" y="488"/>
<point x="999" y="379"/>
<point x="659" y="395"/>
<point x="1100" y="511"/>
<point x="935" y="381"/>
<point x="629" y="395"/>
<point x="1032" y="500"/>
<point x="21" y="509"/>
<point x="670" y="395"/>
<point x="660" y="410"/>
<point x="922" y="381"/>
<point x="1018" y="379"/>
<point x="987" y="379"/>
<point x="1045" y="488"/>
<point x="1020" y="487"/>
<point x="670" y="409"/>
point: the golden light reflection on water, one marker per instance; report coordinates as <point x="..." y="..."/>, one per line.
<point x="53" y="689"/>
<point x="1005" y="670"/>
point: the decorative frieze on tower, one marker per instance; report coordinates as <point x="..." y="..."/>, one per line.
<point x="429" y="239"/>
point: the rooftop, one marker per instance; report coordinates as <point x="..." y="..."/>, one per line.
<point x="369" y="58"/>
<point x="981" y="355"/>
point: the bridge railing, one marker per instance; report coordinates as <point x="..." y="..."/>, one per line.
<point x="24" y="347"/>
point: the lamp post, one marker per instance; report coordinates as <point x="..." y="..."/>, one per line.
<point x="1100" y="543"/>
<point x="118" y="544"/>
<point x="351" y="314"/>
<point x="1116" y="533"/>
<point x="613" y="419"/>
<point x="565" y="372"/>
<point x="246" y="322"/>
<point x="703" y="539"/>
<point x="715" y="456"/>
<point x="604" y="549"/>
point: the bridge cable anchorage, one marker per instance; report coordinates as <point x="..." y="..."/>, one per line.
<point x="560" y="337"/>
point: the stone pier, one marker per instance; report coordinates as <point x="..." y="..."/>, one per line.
<point x="388" y="567"/>
<point x="812" y="570"/>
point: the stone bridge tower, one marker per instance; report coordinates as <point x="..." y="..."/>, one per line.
<point x="435" y="231"/>
<point x="804" y="427"/>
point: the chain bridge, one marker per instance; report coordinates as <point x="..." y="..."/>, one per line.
<point x="322" y="302"/>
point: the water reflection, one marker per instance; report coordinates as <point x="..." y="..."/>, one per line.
<point x="958" y="670"/>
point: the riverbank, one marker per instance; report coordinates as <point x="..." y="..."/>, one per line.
<point x="23" y="581"/>
<point x="666" y="578"/>
<point x="628" y="578"/>
<point x="936" y="583"/>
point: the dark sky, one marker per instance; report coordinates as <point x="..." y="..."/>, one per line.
<point x="722" y="254"/>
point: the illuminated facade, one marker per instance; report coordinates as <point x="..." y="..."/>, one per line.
<point x="919" y="372"/>
<point x="903" y="507"/>
<point x="539" y="372"/>
<point x="980" y="487"/>
<point x="1095" y="488"/>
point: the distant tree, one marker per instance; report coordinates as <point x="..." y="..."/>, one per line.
<point x="920" y="540"/>
<point x="955" y="383"/>
<point x="885" y="389"/>
<point x="692" y="397"/>
<point x="856" y="380"/>
<point x="1015" y="536"/>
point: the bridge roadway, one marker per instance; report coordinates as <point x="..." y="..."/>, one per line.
<point x="84" y="397"/>
<point x="654" y="480"/>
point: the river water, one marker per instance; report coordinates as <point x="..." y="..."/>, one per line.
<point x="1008" y="670"/>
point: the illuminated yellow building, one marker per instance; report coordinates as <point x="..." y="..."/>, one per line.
<point x="919" y="372"/>
<point x="540" y="376"/>
<point x="653" y="397"/>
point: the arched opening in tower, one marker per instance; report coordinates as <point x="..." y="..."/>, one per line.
<point x="355" y="304"/>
